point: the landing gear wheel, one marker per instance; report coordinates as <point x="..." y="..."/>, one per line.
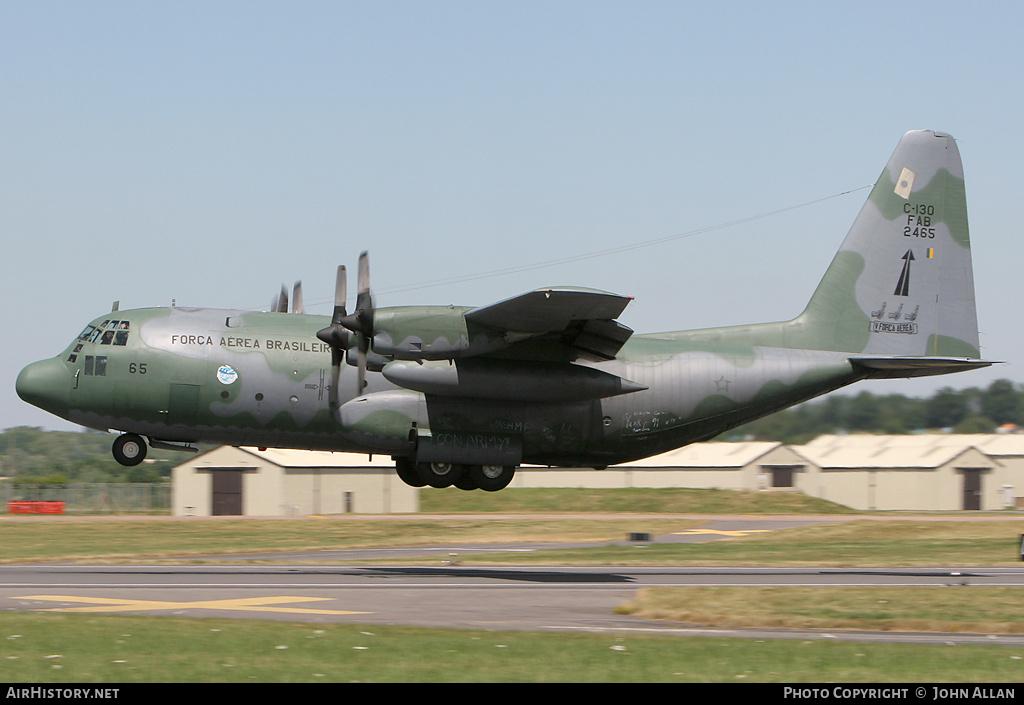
<point x="465" y="482"/>
<point x="491" y="478"/>
<point x="439" y="474"/>
<point x="406" y="470"/>
<point x="129" y="449"/>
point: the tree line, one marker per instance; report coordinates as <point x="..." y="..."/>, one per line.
<point x="32" y="455"/>
<point x="973" y="410"/>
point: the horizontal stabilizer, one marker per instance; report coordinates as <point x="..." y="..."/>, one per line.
<point x="903" y="366"/>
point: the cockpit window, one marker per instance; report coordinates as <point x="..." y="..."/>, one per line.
<point x="96" y="365"/>
<point x="110" y="332"/>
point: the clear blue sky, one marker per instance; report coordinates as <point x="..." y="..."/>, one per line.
<point x="210" y="151"/>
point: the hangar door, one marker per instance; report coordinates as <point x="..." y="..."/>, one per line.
<point x="972" y="488"/>
<point x="227" y="492"/>
<point x="781" y="475"/>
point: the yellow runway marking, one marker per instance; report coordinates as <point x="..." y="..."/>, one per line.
<point x="251" y="604"/>
<point x="690" y="532"/>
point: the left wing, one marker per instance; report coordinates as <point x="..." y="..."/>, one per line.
<point x="581" y="319"/>
<point x="517" y="350"/>
<point x="579" y="323"/>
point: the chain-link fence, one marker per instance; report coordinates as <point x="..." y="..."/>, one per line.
<point x="93" y="498"/>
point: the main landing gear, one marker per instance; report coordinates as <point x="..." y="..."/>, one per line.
<point x="489" y="478"/>
<point x="129" y="449"/>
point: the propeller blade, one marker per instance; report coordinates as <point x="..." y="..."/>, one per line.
<point x="361" y="322"/>
<point x="340" y="295"/>
<point x="336" y="335"/>
<point x="297" y="298"/>
<point x="364" y="299"/>
<point x="282" y="301"/>
<point x="361" y="378"/>
<point x="364" y="272"/>
<point x="332" y="394"/>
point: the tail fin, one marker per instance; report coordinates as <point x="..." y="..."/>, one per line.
<point x="902" y="283"/>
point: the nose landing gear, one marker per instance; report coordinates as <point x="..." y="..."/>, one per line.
<point x="129" y="449"/>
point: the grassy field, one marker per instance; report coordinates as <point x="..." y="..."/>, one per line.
<point x="94" y="649"/>
<point x="130" y="539"/>
<point x="947" y="609"/>
<point x="675" y="500"/>
<point x="52" y="648"/>
<point x="858" y="542"/>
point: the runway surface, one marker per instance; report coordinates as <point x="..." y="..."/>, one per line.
<point x="559" y="598"/>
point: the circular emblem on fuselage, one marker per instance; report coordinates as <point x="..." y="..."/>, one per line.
<point x="226" y="374"/>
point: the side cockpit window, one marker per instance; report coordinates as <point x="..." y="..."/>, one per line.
<point x="95" y="365"/>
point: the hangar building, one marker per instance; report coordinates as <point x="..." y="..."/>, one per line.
<point x="927" y="472"/>
<point x="276" y="482"/>
<point x="917" y="472"/>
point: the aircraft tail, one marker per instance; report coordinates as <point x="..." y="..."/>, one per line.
<point x="902" y="283"/>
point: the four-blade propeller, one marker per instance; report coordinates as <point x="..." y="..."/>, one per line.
<point x="360" y="322"/>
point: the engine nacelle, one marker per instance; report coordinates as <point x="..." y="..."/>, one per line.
<point x="385" y="420"/>
<point x="431" y="333"/>
<point x="509" y="380"/>
<point x="396" y="422"/>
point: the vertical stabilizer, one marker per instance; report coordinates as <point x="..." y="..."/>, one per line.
<point x="902" y="282"/>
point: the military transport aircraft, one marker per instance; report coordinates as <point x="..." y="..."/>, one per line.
<point x="463" y="395"/>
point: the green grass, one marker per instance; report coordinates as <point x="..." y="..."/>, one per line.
<point x="858" y="542"/>
<point x="123" y="650"/>
<point x="139" y="538"/>
<point x="674" y="500"/>
<point x="846" y="544"/>
<point x="950" y="608"/>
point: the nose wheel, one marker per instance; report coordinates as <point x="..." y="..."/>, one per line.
<point x="129" y="449"/>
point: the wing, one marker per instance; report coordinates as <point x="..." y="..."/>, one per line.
<point x="521" y="349"/>
<point x="581" y="320"/>
<point x="543" y="325"/>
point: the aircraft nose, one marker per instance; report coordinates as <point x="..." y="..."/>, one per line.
<point x="46" y="384"/>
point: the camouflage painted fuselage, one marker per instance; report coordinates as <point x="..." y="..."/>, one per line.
<point x="549" y="377"/>
<point x="242" y="378"/>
